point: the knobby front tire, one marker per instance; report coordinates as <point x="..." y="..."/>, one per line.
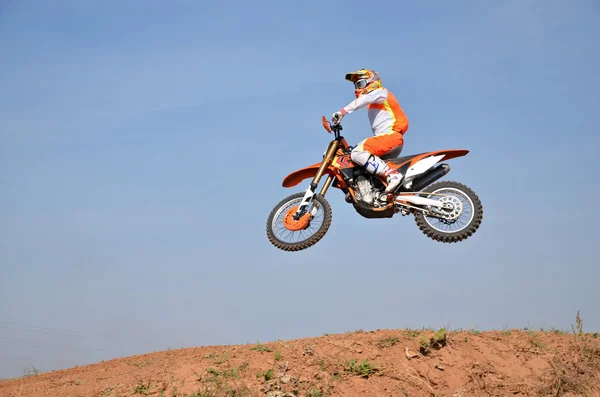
<point x="306" y="238"/>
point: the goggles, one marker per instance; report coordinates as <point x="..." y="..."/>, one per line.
<point x="360" y="84"/>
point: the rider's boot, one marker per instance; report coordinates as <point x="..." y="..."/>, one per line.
<point x="394" y="179"/>
<point x="376" y="165"/>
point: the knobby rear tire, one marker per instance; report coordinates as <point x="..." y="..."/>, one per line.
<point x="318" y="235"/>
<point x="460" y="235"/>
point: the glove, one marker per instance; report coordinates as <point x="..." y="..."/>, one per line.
<point x="337" y="117"/>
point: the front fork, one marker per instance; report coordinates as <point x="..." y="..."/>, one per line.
<point x="312" y="188"/>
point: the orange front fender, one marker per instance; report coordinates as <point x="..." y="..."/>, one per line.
<point x="298" y="176"/>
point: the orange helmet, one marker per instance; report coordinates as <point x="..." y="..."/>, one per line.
<point x="364" y="81"/>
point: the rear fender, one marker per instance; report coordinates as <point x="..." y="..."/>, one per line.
<point x="298" y="176"/>
<point x="421" y="163"/>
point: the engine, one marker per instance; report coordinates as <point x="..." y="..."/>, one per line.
<point x="369" y="190"/>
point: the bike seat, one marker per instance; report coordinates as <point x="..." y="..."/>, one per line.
<point x="403" y="159"/>
<point x="392" y="154"/>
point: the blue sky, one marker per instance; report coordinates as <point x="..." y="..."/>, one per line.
<point x="143" y="145"/>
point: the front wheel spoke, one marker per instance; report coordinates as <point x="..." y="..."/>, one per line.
<point x="289" y="233"/>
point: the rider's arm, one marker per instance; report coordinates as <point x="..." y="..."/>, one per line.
<point x="377" y="96"/>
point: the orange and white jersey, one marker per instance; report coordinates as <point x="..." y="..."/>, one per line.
<point x="385" y="113"/>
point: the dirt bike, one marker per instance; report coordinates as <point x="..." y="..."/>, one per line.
<point x="306" y="216"/>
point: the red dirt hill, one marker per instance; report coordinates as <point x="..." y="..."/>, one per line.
<point x="377" y="363"/>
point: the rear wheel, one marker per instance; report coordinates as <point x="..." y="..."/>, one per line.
<point x="288" y="234"/>
<point x="456" y="223"/>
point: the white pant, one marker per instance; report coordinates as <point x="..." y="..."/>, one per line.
<point x="374" y="164"/>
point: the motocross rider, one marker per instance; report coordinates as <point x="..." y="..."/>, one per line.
<point x="388" y="123"/>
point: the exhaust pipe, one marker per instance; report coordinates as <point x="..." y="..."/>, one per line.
<point x="430" y="176"/>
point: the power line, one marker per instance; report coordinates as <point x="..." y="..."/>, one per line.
<point x="17" y="357"/>
<point x="75" y="334"/>
<point x="54" y="346"/>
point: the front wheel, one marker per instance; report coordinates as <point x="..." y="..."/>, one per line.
<point x="288" y="234"/>
<point x="456" y="223"/>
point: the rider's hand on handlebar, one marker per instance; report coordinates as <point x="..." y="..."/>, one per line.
<point x="337" y="117"/>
